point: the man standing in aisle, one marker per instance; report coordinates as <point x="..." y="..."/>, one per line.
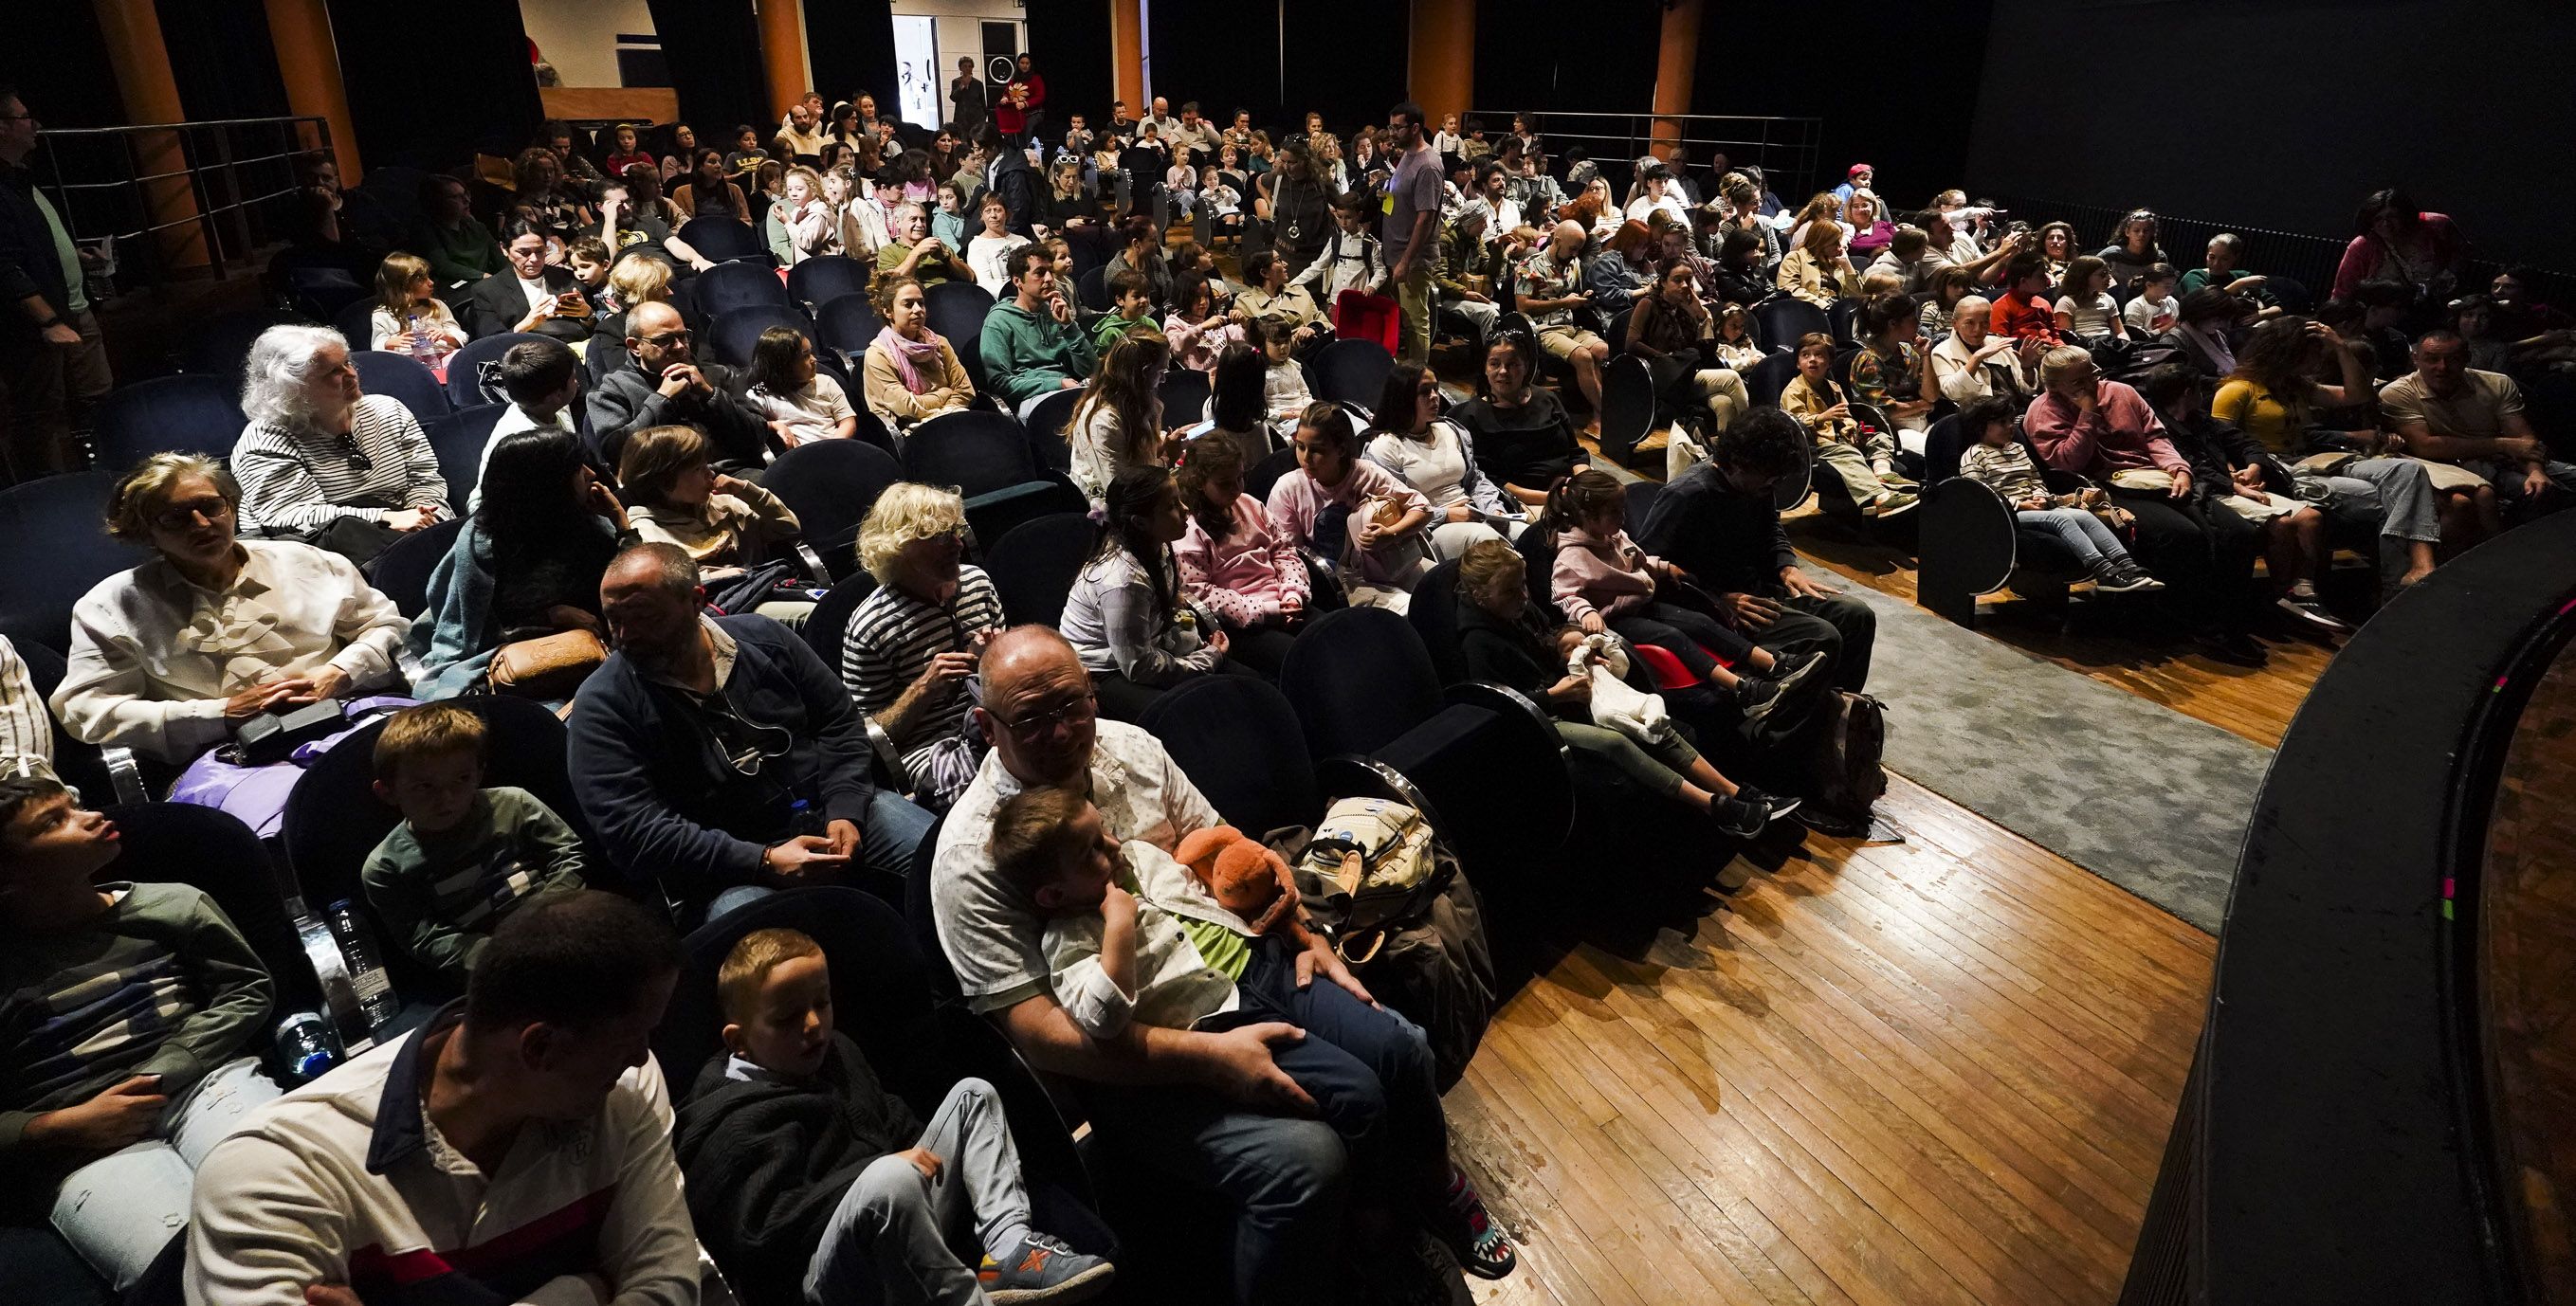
<point x="1412" y="227"/>
<point x="53" y="361"/>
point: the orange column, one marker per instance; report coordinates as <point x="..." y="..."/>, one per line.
<point x="131" y="30"/>
<point x="1441" y="66"/>
<point x="309" y="63"/>
<point x="782" y="55"/>
<point x="1127" y="53"/>
<point x="1675" y="64"/>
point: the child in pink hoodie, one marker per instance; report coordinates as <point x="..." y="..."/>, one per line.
<point x="1234" y="561"/>
<point x="1603" y="581"/>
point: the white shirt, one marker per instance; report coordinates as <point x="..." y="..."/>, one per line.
<point x="813" y="413"/>
<point x="537" y="291"/>
<point x="26" y="733"/>
<point x="514" y="421"/>
<point x="1671" y="203"/>
<point x="985" y="258"/>
<point x="1963" y="383"/>
<point x="1502" y="217"/>
<point x="154" y="656"/>
<point x="993" y="935"/>
<point x="2142" y="312"/>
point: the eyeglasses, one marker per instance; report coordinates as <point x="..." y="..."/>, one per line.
<point x="1080" y="712"/>
<point x="666" y="339"/>
<point x="181" y="516"/>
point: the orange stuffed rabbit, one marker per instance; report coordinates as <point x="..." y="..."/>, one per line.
<point x="1245" y="878"/>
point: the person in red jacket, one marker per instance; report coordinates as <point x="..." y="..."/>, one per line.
<point x="2023" y="312"/>
<point x="1022" y="109"/>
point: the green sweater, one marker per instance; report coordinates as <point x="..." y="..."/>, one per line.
<point x="161" y="983"/>
<point x="1114" y="328"/>
<point x="441" y="895"/>
<point x="1027" y="354"/>
<point x="466" y="254"/>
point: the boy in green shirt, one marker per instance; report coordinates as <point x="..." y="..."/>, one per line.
<point x="464" y="856"/>
<point x="1134" y="315"/>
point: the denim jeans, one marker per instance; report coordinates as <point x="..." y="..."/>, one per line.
<point x="121" y="1209"/>
<point x="889" y="834"/>
<point x="2078" y="532"/>
<point x="1368" y="1068"/>
<point x="896" y="1236"/>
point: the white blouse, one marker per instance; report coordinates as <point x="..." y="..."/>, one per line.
<point x="154" y="655"/>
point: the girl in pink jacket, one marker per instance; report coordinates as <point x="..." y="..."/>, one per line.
<point x="1234" y="561"/>
<point x="1331" y="507"/>
<point x="1603" y="581"/>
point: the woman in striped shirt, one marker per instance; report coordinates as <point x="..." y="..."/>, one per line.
<point x="912" y="643"/>
<point x="322" y="463"/>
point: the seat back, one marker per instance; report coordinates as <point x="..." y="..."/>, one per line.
<point x="827" y="627"/>
<point x="1261" y="476"/>
<point x="830" y="485"/>
<point x="333" y="818"/>
<point x="847" y="323"/>
<point x="728" y="286"/>
<point x="1943" y="445"/>
<point x="1185" y="395"/>
<point x="1046" y="425"/>
<point x="77" y="764"/>
<point x="818" y="281"/>
<point x="723" y="239"/>
<point x="1627" y="407"/>
<point x="1034" y="563"/>
<point x="218" y="346"/>
<point x="1353" y="372"/>
<point x="1785" y="318"/>
<point x="1433" y="614"/>
<point x="735" y="332"/>
<point x="978" y="452"/>
<point x="465" y="367"/>
<point x="1769" y="377"/>
<point x="957" y="310"/>
<point x="356" y="323"/>
<point x="1641" y="503"/>
<point x="1358" y="678"/>
<point x="1842" y="321"/>
<point x="405" y="378"/>
<point x="1239" y="741"/>
<point x="211" y="850"/>
<point x="458" y="440"/>
<point x="187" y="413"/>
<point x="61" y="520"/>
<point x="402" y="571"/>
<point x="1091" y="289"/>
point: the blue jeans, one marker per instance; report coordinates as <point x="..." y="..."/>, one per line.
<point x="1368" y="1068"/>
<point x="121" y="1209"/>
<point x="889" y="833"/>
<point x="2079" y="532"/>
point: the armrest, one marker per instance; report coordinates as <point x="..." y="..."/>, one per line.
<point x="1505" y="700"/>
<point x="888" y="756"/>
<point x="125" y="774"/>
<point x="1353" y="776"/>
<point x="1968" y="543"/>
<point x="814" y="568"/>
<point x="2063" y="482"/>
<point x="1039" y="1121"/>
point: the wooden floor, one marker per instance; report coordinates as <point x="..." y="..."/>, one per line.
<point x="1929" y="1072"/>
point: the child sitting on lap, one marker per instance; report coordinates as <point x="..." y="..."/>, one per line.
<point x="801" y="1169"/>
<point x="1135" y="937"/>
<point x="464" y="856"/>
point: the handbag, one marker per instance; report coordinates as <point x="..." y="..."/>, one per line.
<point x="548" y="668"/>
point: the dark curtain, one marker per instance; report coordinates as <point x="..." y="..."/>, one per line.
<point x="1069" y="40"/>
<point x="428" y="94"/>
<point x="852" y="42"/>
<point x="1912" y="130"/>
<point x="713" y="47"/>
<point x="1226" y="57"/>
<point x="1533" y="56"/>
<point x="221" y="58"/>
<point x="60" y="67"/>
<point x="1346" y="60"/>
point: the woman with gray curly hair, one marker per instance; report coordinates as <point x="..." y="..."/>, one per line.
<point x="910" y="646"/>
<point x="323" y="463"/>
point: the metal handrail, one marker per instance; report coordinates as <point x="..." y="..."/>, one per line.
<point x="235" y="169"/>
<point x="1786" y="148"/>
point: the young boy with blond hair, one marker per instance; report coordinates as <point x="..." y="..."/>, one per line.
<point x="807" y="1178"/>
<point x="464" y="856"/>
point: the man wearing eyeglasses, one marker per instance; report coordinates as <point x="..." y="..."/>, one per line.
<point x="664" y="384"/>
<point x="718" y="757"/>
<point x="1212" y="1110"/>
<point x="53" y="361"/>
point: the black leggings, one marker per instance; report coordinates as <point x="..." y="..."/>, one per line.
<point x="1688" y="633"/>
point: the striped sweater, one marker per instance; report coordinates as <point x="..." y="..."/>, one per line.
<point x="305" y="480"/>
<point x="893" y="636"/>
<point x="161" y="983"/>
<point x="442" y="895"/>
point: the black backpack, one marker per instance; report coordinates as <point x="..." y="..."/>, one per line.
<point x="1847" y="732"/>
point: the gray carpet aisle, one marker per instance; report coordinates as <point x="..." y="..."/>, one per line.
<point x="2136" y="793"/>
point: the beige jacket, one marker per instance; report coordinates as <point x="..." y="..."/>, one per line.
<point x="899" y="408"/>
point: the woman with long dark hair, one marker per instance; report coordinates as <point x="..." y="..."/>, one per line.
<point x="1437" y="458"/>
<point x="2133" y="248"/>
<point x="1118" y="422"/>
<point x="1523" y="439"/>
<point x="2392" y="241"/>
<point x="527" y="563"/>
<point x="1126" y="616"/>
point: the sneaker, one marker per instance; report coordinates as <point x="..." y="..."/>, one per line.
<point x="1482" y="1250"/>
<point x="2306" y="608"/>
<point x="1794" y="673"/>
<point x="2130" y="579"/>
<point x="1893" y="505"/>
<point x="1043" y="1269"/>
<point x="1774" y="806"/>
<point x="1736" y="818"/>
<point x="1756" y="698"/>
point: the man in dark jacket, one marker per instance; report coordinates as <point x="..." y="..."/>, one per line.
<point x="53" y="361"/>
<point x="810" y="1182"/>
<point x="718" y="756"/>
<point x="1717" y="521"/>
<point x="663" y="384"/>
<point x="1008" y="174"/>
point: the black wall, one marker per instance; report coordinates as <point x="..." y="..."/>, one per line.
<point x="1069" y="39"/>
<point x="2283" y="115"/>
<point x="1346" y="60"/>
<point x="852" y="46"/>
<point x="1225" y="56"/>
<point x="1533" y="56"/>
<point x="1343" y="58"/>
<point x="427" y="94"/>
<point x="714" y="51"/>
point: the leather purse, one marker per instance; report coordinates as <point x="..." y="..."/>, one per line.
<point x="548" y="668"/>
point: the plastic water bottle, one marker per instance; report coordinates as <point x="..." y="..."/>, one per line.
<point x="375" y="989"/>
<point x="425" y="340"/>
<point x="304" y="1046"/>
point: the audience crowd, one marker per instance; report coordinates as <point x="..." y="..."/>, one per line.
<point x="625" y="558"/>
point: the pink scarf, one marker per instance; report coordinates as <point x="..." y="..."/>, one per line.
<point x="914" y="360"/>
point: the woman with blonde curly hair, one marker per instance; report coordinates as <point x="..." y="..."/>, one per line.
<point x="912" y="642"/>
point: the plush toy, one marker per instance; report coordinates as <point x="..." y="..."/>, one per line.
<point x="1244" y="877"/>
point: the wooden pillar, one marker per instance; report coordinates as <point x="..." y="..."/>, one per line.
<point x="1440" y="68"/>
<point x="1127" y="53"/>
<point x="782" y="57"/>
<point x="1675" y="63"/>
<point x="308" y="60"/>
<point x="131" y="30"/>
